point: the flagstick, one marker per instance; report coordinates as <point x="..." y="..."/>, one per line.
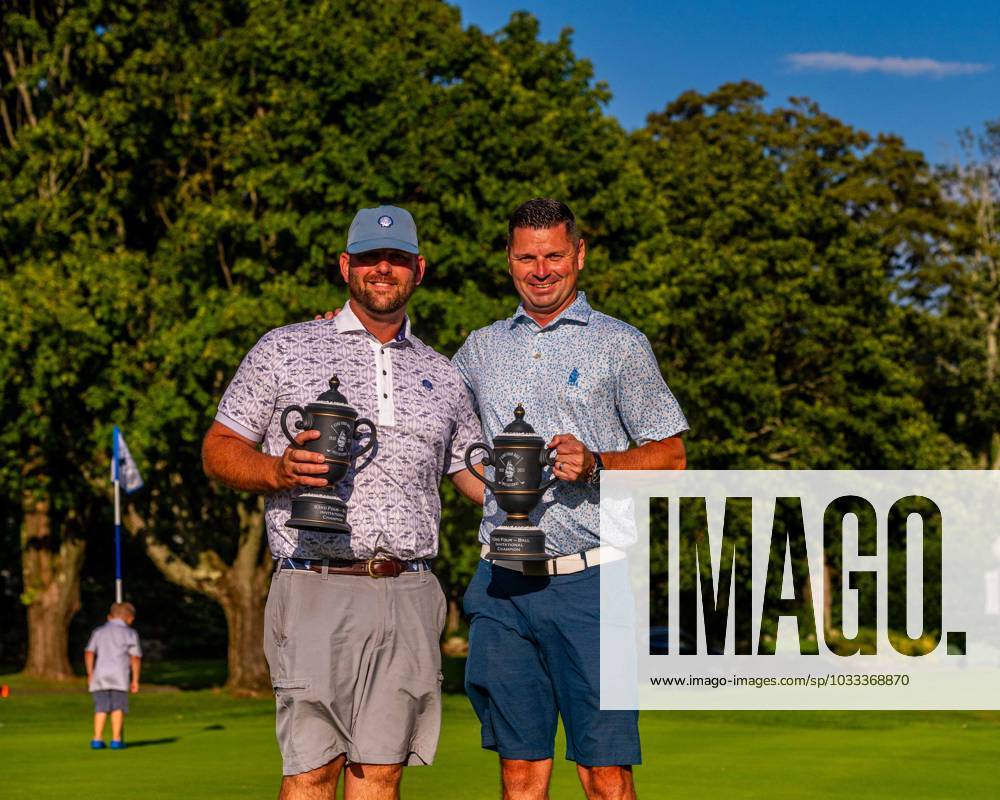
<point x="118" y="524"/>
<point x="118" y="547"/>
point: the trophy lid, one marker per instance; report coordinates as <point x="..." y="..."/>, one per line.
<point x="519" y="427"/>
<point x="333" y="395"/>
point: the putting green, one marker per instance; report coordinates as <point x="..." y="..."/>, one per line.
<point x="205" y="744"/>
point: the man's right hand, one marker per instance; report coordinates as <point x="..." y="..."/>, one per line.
<point x="298" y="467"/>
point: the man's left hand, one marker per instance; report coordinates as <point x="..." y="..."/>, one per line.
<point x="574" y="461"/>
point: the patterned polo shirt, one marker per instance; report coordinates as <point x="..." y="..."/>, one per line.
<point x="421" y="411"/>
<point x="584" y="373"/>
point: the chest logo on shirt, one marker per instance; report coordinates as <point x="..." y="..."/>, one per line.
<point x="427" y="384"/>
<point x="574" y="376"/>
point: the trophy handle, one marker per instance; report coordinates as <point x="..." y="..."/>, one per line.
<point x="372" y="436"/>
<point x="548" y="459"/>
<point x="488" y="460"/>
<point x="300" y="424"/>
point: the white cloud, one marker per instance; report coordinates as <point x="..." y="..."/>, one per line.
<point x="887" y="65"/>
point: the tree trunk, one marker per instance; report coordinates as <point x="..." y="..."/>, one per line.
<point x="454" y="618"/>
<point x="51" y="567"/>
<point x="243" y="600"/>
<point x="240" y="588"/>
<point x="248" y="673"/>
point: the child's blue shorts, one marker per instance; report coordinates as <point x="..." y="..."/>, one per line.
<point x="534" y="653"/>
<point x="106" y="700"/>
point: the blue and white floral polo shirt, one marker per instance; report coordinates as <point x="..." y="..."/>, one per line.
<point x="584" y="373"/>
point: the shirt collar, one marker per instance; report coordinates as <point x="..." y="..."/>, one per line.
<point x="116" y="621"/>
<point x="578" y="311"/>
<point x="347" y="321"/>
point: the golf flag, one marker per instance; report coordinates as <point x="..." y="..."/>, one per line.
<point x="125" y="475"/>
<point x="123" y="466"/>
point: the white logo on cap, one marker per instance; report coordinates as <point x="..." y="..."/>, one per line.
<point x="385" y="221"/>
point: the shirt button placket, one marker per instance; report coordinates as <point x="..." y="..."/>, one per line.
<point x="537" y="392"/>
<point x="385" y="387"/>
<point x="384" y="384"/>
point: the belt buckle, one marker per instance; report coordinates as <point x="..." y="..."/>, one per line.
<point x="371" y="567"/>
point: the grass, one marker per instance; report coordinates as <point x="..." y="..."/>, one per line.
<point x="186" y="674"/>
<point x="206" y="744"/>
<point x="211" y="673"/>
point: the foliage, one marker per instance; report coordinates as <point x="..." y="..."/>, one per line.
<point x="773" y="291"/>
<point x="179" y="177"/>
<point x="767" y="291"/>
<point x="210" y="157"/>
<point x="956" y="308"/>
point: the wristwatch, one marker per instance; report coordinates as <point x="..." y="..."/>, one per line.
<point x="594" y="478"/>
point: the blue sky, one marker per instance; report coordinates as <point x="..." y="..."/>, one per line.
<point x="920" y="69"/>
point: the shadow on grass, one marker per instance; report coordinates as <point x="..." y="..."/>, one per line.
<point x="150" y="742"/>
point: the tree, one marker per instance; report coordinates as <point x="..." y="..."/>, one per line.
<point x="179" y="177"/>
<point x="285" y="125"/>
<point x="773" y="308"/>
<point x="955" y="309"/>
<point x="771" y="290"/>
<point x="82" y="101"/>
<point x="67" y="267"/>
<point x="184" y="173"/>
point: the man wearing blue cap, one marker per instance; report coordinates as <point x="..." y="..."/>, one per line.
<point x="353" y="622"/>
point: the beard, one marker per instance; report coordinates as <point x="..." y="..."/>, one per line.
<point x="379" y="301"/>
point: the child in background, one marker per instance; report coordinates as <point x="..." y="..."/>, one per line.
<point x="113" y="658"/>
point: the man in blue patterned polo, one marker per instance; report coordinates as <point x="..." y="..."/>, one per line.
<point x="591" y="385"/>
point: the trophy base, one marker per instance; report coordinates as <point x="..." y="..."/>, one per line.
<point x="319" y="511"/>
<point x="517" y="543"/>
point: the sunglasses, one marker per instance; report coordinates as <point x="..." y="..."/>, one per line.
<point x="372" y="258"/>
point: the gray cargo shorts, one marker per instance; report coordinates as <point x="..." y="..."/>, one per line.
<point x="356" y="667"/>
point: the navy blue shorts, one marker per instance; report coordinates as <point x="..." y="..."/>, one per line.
<point x="106" y="700"/>
<point x="534" y="654"/>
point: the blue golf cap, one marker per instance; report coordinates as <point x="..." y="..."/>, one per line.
<point x="383" y="227"/>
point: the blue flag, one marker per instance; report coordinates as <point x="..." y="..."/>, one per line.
<point x="123" y="466"/>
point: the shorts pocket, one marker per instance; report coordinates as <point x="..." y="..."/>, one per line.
<point x="289" y="683"/>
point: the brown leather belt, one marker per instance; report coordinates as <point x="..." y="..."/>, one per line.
<point x="372" y="567"/>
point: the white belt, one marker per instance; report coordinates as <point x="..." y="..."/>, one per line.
<point x="562" y="565"/>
